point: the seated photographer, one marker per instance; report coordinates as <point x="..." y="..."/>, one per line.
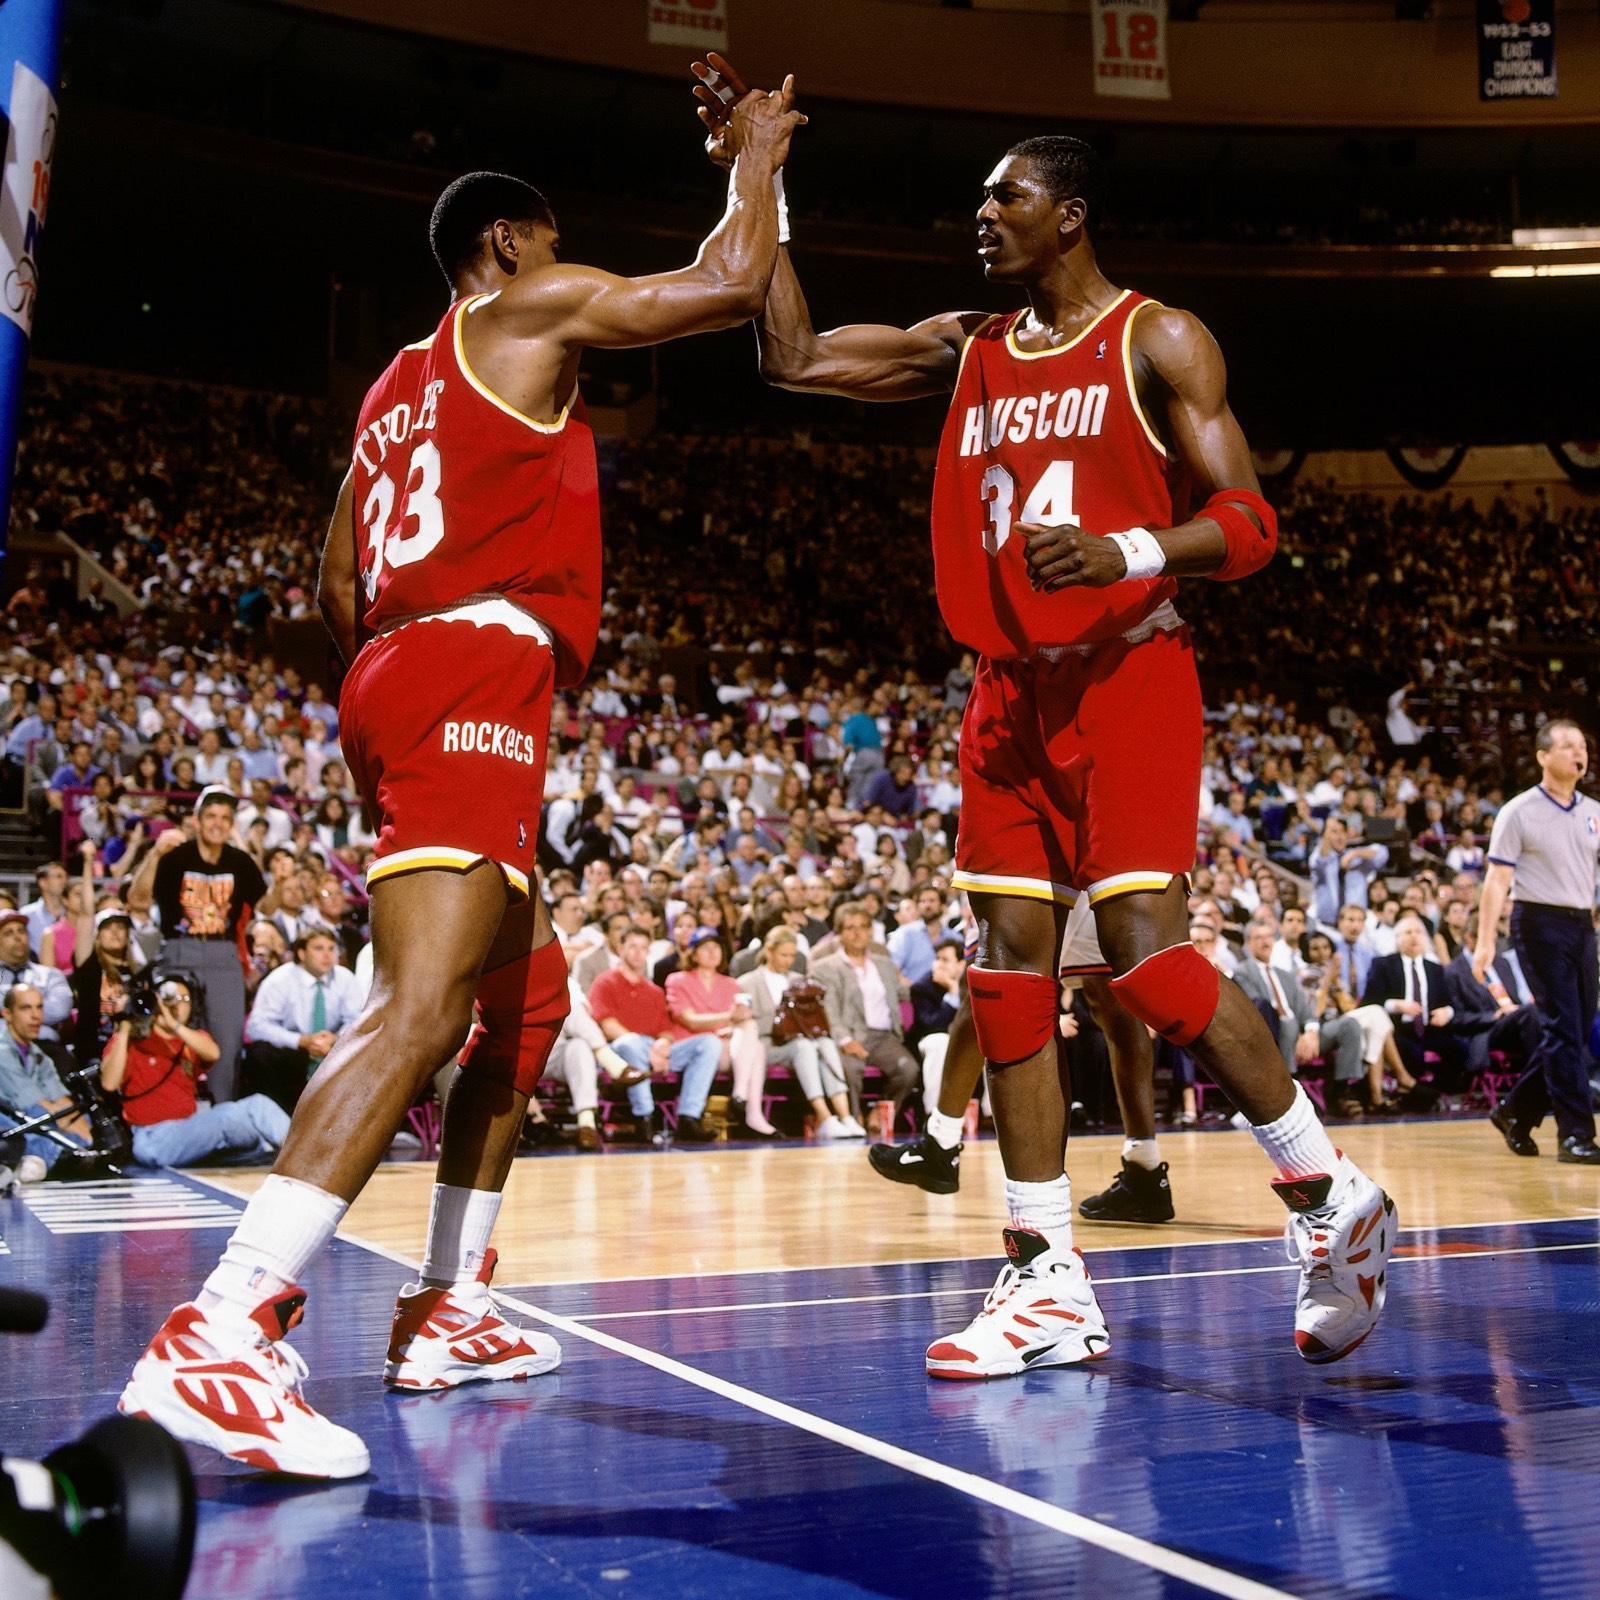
<point x="299" y="1011"/>
<point x="155" y="1075"/>
<point x="30" y="1085"/>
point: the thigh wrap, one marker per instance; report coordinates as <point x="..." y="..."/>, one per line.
<point x="521" y="1007"/>
<point x="1013" y="1013"/>
<point x="1174" y="991"/>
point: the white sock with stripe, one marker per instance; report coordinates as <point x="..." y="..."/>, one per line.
<point x="1044" y="1207"/>
<point x="458" y="1234"/>
<point x="1297" y="1142"/>
<point x="284" y="1227"/>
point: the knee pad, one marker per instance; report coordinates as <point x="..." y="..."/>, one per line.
<point x="1175" y="991"/>
<point x="521" y="1008"/>
<point x="1013" y="1013"/>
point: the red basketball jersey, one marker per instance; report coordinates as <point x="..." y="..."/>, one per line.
<point x="458" y="494"/>
<point x="1046" y="436"/>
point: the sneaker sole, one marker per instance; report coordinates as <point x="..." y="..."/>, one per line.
<point x="183" y="1424"/>
<point x="396" y="1377"/>
<point x="965" y="1373"/>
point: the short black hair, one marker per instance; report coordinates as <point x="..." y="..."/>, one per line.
<point x="465" y="212"/>
<point x="1546" y="737"/>
<point x="1071" y="169"/>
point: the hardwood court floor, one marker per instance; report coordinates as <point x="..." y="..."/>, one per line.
<point x="727" y="1208"/>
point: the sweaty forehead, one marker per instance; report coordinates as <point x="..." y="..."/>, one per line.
<point x="1014" y="170"/>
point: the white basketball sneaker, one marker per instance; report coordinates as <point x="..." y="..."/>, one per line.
<point x="445" y="1337"/>
<point x="1341" y="1229"/>
<point x="1041" y="1313"/>
<point x="233" y="1385"/>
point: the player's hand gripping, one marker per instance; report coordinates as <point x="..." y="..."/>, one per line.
<point x="1065" y="557"/>
<point x="723" y="94"/>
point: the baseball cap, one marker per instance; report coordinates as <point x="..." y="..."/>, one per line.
<point x="215" y="794"/>
<point x="699" y="937"/>
<point x="12" y="915"/>
<point x="111" y="914"/>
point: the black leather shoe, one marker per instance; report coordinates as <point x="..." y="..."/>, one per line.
<point x="1137" y="1194"/>
<point x="691" y="1130"/>
<point x="1518" y="1141"/>
<point x="1579" y="1152"/>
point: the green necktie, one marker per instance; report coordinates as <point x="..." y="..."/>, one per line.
<point x="319" y="1019"/>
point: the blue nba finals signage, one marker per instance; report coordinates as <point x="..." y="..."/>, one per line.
<point x="30" y="37"/>
<point x="1516" y="49"/>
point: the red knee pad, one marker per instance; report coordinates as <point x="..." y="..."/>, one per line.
<point x="521" y="1007"/>
<point x="1175" y="991"/>
<point x="1013" y="1013"/>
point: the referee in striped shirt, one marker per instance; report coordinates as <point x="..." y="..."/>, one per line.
<point x="1547" y="839"/>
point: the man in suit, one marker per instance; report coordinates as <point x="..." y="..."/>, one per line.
<point x="1498" y="1014"/>
<point x="1302" y="1038"/>
<point x="862" y="993"/>
<point x="606" y="956"/>
<point x="1424" y="1002"/>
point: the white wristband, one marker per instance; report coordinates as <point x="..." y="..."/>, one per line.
<point x="783" y="206"/>
<point x="1142" y="551"/>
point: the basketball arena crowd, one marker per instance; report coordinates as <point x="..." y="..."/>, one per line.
<point x="751" y="805"/>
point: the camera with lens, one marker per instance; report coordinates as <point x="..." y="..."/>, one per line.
<point x="112" y="1512"/>
<point x="144" y="1003"/>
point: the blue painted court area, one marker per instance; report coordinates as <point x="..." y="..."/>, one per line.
<point x="773" y="1435"/>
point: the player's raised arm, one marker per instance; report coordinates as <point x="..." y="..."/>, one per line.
<point x="582" y="307"/>
<point x="1184" y="383"/>
<point x="863" y="361"/>
<point x="336" y="578"/>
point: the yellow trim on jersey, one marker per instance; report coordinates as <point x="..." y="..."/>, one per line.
<point x="421" y="344"/>
<point x="1129" y="883"/>
<point x="1022" y="888"/>
<point x="441" y="858"/>
<point x="1127" y="373"/>
<point x="1071" y="344"/>
<point x="474" y="304"/>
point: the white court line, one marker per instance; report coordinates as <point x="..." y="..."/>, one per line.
<point x="1217" y="1580"/>
<point x="983" y="1288"/>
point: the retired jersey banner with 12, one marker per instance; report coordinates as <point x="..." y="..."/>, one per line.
<point x="701" y="24"/>
<point x="1516" y="49"/>
<point x="1130" y="48"/>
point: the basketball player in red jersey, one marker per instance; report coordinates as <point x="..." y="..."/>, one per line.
<point x="1082" y="430"/>
<point x="470" y="521"/>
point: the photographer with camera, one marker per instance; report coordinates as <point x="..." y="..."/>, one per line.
<point x="155" y="1074"/>
<point x="31" y="1086"/>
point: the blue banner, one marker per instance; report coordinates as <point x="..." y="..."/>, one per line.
<point x="30" y="44"/>
<point x="1516" y="49"/>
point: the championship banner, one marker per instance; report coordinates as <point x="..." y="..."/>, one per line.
<point x="1516" y="49"/>
<point x="1130" y="48"/>
<point x="30" y="37"/>
<point x="700" y="24"/>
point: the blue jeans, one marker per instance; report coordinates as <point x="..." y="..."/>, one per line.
<point x="694" y="1060"/>
<point x="35" y="1144"/>
<point x="245" y="1127"/>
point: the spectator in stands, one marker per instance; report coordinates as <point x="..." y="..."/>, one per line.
<point x="299" y="1010"/>
<point x="1323" y="978"/>
<point x="934" y="1003"/>
<point x="1422" y="998"/>
<point x="107" y="960"/>
<point x="1342" y="875"/>
<point x="1499" y="1015"/>
<point x="16" y="967"/>
<point x="1289" y="953"/>
<point x="49" y="907"/>
<point x="863" y="993"/>
<point x="706" y="1001"/>
<point x="30" y="1085"/>
<point x="576" y="1060"/>
<point x="605" y="956"/>
<point x="814" y="1056"/>
<point x="156" y="1076"/>
<point x="632" y="1013"/>
<point x="911" y="946"/>
<point x="893" y="789"/>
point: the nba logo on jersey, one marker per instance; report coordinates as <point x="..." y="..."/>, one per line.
<point x="1593" y="826"/>
<point x="1100" y="351"/>
<point x="522" y="837"/>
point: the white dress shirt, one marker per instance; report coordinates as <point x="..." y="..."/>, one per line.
<point x="874" y="997"/>
<point x="284" y="1002"/>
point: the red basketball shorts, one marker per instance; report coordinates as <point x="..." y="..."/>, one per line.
<point x="1080" y="773"/>
<point x="445" y="723"/>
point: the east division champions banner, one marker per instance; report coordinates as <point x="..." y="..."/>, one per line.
<point x="1516" y="49"/>
<point x="30" y="36"/>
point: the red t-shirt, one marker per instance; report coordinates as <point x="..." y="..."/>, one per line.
<point x="159" y="1083"/>
<point x="640" y="1007"/>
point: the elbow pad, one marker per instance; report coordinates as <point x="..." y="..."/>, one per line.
<point x="1249" y="548"/>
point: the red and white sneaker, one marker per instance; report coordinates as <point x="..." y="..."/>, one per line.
<point x="443" y="1337"/>
<point x="1341" y="1229"/>
<point x="233" y="1385"/>
<point x="1041" y="1313"/>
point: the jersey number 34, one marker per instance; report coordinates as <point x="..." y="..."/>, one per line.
<point x="400" y="549"/>
<point x="1050" y="503"/>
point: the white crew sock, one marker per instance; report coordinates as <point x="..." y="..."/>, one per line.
<point x="1297" y="1142"/>
<point x="945" y="1131"/>
<point x="609" y="1059"/>
<point x="281" y="1232"/>
<point x="1144" y="1153"/>
<point x="458" y="1234"/>
<point x="1044" y="1207"/>
<point x="586" y="1118"/>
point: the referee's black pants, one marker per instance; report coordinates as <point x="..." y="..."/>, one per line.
<point x="1556" y="947"/>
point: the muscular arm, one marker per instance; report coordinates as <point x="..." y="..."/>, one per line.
<point x="336" y="579"/>
<point x="863" y="361"/>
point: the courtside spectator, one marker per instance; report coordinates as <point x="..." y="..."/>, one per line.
<point x="300" y="1008"/>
